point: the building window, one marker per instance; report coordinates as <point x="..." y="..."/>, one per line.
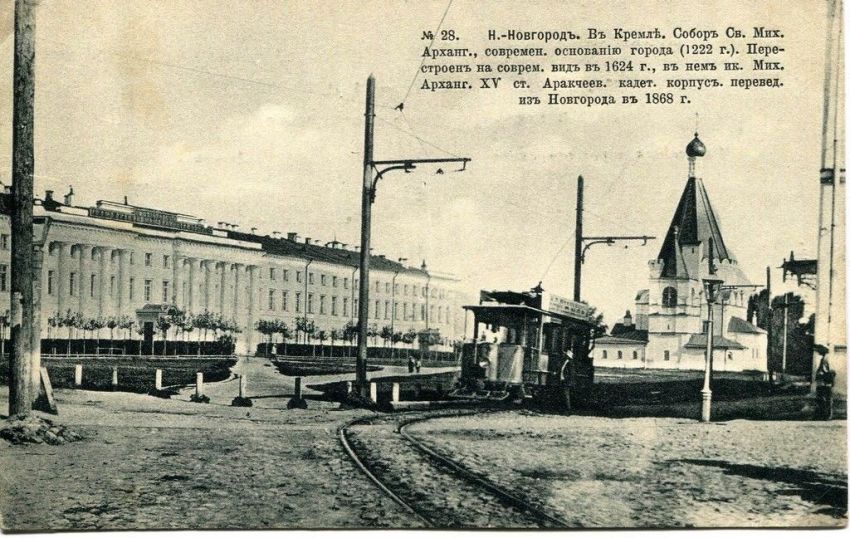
<point x="386" y="310"/>
<point x="404" y="308"/>
<point x="286" y="275"/>
<point x="405" y="289"/>
<point x="604" y="354"/>
<point x="132" y="258"/>
<point x="132" y="285"/>
<point x="387" y="287"/>
<point x="666" y="355"/>
<point x="619" y="355"/>
<point x="322" y="303"/>
<point x="415" y="290"/>
<point x="310" y="303"/>
<point x="345" y="306"/>
<point x="297" y="276"/>
<point x="271" y="275"/>
<point x="422" y="311"/>
<point x="92" y="284"/>
<point x="413" y="312"/>
<point x="345" y="282"/>
<point x="298" y="302"/>
<point x="271" y="300"/>
<point x="634" y="355"/>
<point x="165" y="296"/>
<point x="72" y="284"/>
<point x="49" y="279"/>
<point x="4" y="241"/>
<point x="111" y="286"/>
<point x="311" y="279"/>
<point x="395" y="311"/>
<point x="668" y="296"/>
<point x="333" y="281"/>
<point x="284" y="300"/>
<point x="323" y="280"/>
<point x="333" y="306"/>
<point x="377" y="286"/>
<point x="147" y="293"/>
<point x="355" y="305"/>
<point x="3" y="279"/>
<point x="148" y="259"/>
<point x="166" y="261"/>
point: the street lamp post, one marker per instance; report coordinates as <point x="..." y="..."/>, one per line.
<point x="712" y="285"/>
<point x="373" y="171"/>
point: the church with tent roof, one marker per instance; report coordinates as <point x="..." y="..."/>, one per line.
<point x="667" y="330"/>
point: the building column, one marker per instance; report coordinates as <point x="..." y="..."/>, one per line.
<point x="193" y="285"/>
<point x="105" y="254"/>
<point x="224" y="267"/>
<point x="123" y="282"/>
<point x="208" y="265"/>
<point x="84" y="252"/>
<point x="252" y="308"/>
<point x="62" y="252"/>
<point x="237" y="291"/>
<point x="177" y="269"/>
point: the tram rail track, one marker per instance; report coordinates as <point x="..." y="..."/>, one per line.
<point x="437" y="490"/>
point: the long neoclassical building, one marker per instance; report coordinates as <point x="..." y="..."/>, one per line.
<point x="115" y="259"/>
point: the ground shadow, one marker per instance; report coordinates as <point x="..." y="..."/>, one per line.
<point x="827" y="491"/>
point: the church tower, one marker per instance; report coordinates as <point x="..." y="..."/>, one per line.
<point x="676" y="307"/>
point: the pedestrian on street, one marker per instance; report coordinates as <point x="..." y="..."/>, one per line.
<point x="824" y="378"/>
<point x="418" y="364"/>
<point x="410" y="364"/>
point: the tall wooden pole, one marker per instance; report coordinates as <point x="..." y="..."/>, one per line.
<point x="365" y="232"/>
<point x="579" y="240"/>
<point x="20" y="400"/>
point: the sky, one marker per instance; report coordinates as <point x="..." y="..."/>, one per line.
<point x="252" y="113"/>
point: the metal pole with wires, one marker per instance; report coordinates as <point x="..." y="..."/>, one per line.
<point x="373" y="171"/>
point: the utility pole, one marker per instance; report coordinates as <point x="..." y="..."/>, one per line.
<point x="373" y="171"/>
<point x="712" y="285"/>
<point x="23" y="163"/>
<point x="583" y="243"/>
<point x="577" y="259"/>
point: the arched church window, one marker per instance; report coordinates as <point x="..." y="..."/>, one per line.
<point x="668" y="296"/>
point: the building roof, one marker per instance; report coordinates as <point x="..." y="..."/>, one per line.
<point x="694" y="223"/>
<point x="698" y="341"/>
<point x="628" y="333"/>
<point x="738" y="325"/>
<point x="615" y="340"/>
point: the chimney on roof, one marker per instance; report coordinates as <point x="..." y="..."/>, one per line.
<point x="276" y="234"/>
<point x="126" y="202"/>
<point x="220" y="224"/>
<point x="292" y="236"/>
<point x="627" y="319"/>
<point x="234" y="226"/>
<point x="48" y="196"/>
<point x="69" y="198"/>
<point x="356" y="248"/>
<point x="254" y="230"/>
<point x="424" y="266"/>
<point x="307" y="240"/>
<point x="402" y="261"/>
<point x="343" y="246"/>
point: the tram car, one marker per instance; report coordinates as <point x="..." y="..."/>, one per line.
<point x="528" y="345"/>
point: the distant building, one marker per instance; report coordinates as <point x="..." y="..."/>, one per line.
<point x="668" y="330"/>
<point x="116" y="259"/>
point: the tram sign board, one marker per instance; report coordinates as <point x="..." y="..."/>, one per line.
<point x="566" y="307"/>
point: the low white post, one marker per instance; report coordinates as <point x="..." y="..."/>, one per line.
<point x="373" y="392"/>
<point x="396" y="392"/>
<point x="114" y="376"/>
<point x="348" y="387"/>
<point x="78" y="375"/>
<point x="158" y="379"/>
<point x="199" y="384"/>
<point x="243" y="385"/>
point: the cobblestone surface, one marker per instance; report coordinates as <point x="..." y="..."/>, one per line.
<point x="595" y="472"/>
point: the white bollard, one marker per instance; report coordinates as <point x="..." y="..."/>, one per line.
<point x="243" y="385"/>
<point x="199" y="384"/>
<point x="373" y="392"/>
<point x="114" y="376"/>
<point x="78" y="375"/>
<point x="158" y="379"/>
<point x="348" y="387"/>
<point x="396" y="393"/>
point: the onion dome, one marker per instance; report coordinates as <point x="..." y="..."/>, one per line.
<point x="696" y="148"/>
